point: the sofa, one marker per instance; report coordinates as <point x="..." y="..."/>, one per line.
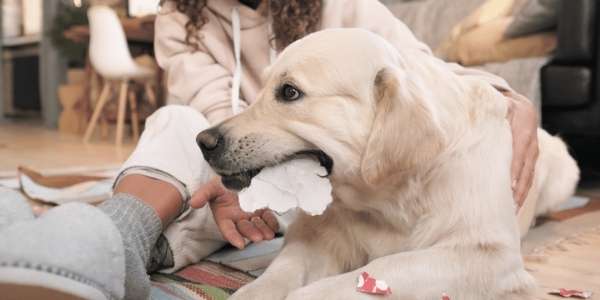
<point x="569" y="84"/>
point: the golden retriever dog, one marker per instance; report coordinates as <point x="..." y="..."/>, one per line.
<point x="419" y="160"/>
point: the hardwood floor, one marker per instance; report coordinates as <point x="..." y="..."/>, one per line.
<point x="564" y="251"/>
<point x="28" y="143"/>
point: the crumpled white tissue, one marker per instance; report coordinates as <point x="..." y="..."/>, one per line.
<point x="297" y="183"/>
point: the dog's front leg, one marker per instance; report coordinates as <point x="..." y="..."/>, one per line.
<point x="427" y="274"/>
<point x="298" y="263"/>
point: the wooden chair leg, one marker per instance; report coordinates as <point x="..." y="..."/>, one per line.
<point x="103" y="127"/>
<point x="97" y="110"/>
<point x="150" y="94"/>
<point x="135" y="119"/>
<point x="121" y="112"/>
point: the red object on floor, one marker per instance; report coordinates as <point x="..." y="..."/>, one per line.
<point x="370" y="285"/>
<point x="566" y="293"/>
<point x="445" y="297"/>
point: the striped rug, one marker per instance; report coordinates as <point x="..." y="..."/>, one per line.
<point x="202" y="281"/>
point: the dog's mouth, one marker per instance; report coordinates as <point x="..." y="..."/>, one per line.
<point x="240" y="180"/>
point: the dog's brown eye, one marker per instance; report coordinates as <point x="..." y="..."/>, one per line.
<point x="288" y="92"/>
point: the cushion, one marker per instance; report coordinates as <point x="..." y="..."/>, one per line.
<point x="486" y="43"/>
<point x="536" y="16"/>
<point x="481" y="37"/>
<point x="432" y="20"/>
<point x="577" y="32"/>
<point x="566" y="86"/>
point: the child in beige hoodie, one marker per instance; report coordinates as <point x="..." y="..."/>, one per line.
<point x="214" y="53"/>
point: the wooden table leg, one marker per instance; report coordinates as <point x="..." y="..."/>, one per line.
<point x="135" y="119"/>
<point x="121" y="112"/>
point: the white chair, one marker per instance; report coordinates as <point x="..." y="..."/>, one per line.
<point x="109" y="55"/>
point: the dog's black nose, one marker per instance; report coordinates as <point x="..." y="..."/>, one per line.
<point x="210" y="142"/>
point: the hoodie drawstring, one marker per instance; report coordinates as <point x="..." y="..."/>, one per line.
<point x="237" y="73"/>
<point x="237" y="48"/>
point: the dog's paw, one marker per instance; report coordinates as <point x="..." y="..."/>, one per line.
<point x="308" y="293"/>
<point x="260" y="290"/>
<point x="245" y="294"/>
<point x="342" y="287"/>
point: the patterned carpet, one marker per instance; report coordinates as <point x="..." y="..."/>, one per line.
<point x="572" y="263"/>
<point x="203" y="281"/>
<point x="564" y="252"/>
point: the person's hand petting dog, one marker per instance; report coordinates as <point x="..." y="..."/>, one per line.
<point x="523" y="119"/>
<point x="234" y="224"/>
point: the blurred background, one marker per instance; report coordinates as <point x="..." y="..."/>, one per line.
<point x="49" y="87"/>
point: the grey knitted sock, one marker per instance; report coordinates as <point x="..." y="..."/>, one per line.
<point x="140" y="228"/>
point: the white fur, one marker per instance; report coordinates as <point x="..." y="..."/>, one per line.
<point x="421" y="177"/>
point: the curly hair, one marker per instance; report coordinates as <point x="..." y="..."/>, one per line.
<point x="292" y="19"/>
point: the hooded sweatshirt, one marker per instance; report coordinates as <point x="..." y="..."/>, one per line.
<point x="212" y="80"/>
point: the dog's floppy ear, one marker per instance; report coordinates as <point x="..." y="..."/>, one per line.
<point x="405" y="131"/>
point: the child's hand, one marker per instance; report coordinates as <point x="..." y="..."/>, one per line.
<point x="234" y="223"/>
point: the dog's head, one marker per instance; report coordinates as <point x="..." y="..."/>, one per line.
<point x="342" y="96"/>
